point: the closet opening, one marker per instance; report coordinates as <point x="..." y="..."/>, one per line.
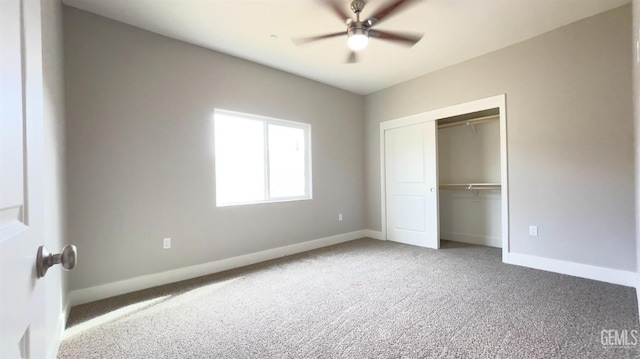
<point x="469" y="178"/>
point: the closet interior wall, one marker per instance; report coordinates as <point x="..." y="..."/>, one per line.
<point x="470" y="154"/>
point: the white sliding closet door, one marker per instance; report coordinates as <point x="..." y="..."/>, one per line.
<point x="412" y="184"/>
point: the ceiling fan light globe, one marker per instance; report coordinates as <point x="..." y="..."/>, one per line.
<point x="357" y="42"/>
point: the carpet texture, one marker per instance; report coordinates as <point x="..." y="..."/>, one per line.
<point x="364" y="299"/>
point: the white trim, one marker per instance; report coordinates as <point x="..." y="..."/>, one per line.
<point x="498" y="101"/>
<point x="86" y="295"/>
<point x="374" y="234"/>
<point x="638" y="293"/>
<point x="504" y="175"/>
<point x="383" y="183"/>
<point x="614" y="276"/>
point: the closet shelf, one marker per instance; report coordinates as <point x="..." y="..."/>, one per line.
<point x="471" y="186"/>
<point x="472" y="123"/>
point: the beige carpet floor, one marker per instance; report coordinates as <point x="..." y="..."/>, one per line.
<point x="364" y="299"/>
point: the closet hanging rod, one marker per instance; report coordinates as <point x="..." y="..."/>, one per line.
<point x="474" y="186"/>
<point x="474" y="121"/>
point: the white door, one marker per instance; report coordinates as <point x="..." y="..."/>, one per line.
<point x="22" y="295"/>
<point x="412" y="184"/>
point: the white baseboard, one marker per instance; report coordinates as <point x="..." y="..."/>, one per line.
<point x="86" y="295"/>
<point x="614" y="276"/>
<point x="472" y="239"/>
<point x="374" y="234"/>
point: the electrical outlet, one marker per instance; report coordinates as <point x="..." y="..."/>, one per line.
<point x="533" y="231"/>
<point x="166" y="243"/>
<point x="340" y="217"/>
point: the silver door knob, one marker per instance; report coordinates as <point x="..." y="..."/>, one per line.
<point x="45" y="260"/>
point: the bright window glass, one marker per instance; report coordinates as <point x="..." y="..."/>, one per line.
<point x="286" y="161"/>
<point x="260" y="159"/>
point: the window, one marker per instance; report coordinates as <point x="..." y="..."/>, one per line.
<point x="260" y="159"/>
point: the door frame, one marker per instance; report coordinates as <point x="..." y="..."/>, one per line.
<point x="499" y="102"/>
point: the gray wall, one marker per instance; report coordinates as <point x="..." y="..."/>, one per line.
<point x="140" y="163"/>
<point x="570" y="136"/>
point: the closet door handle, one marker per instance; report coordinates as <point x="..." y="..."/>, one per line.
<point x="432" y="189"/>
<point x="45" y="260"/>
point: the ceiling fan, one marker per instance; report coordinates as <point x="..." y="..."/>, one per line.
<point x="358" y="32"/>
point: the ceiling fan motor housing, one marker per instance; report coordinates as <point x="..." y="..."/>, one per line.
<point x="358" y="28"/>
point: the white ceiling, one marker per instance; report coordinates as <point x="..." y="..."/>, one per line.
<point x="455" y="31"/>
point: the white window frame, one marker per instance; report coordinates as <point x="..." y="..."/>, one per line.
<point x="308" y="188"/>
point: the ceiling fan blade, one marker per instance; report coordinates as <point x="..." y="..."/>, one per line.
<point x="384" y="12"/>
<point x="306" y="40"/>
<point x="405" y="39"/>
<point x="337" y="9"/>
<point x="353" y="57"/>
